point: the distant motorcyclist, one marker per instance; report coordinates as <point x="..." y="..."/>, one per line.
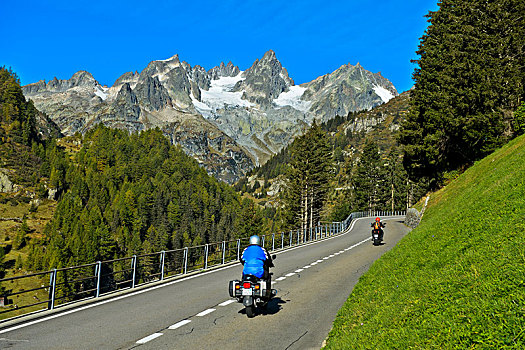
<point x="378" y="225"/>
<point x="257" y="261"/>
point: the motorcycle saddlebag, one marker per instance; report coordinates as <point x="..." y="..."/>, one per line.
<point x="231" y="288"/>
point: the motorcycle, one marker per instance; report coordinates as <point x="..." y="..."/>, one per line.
<point x="252" y="292"/>
<point x="377" y="236"/>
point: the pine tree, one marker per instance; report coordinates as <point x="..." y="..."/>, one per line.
<point x="369" y="178"/>
<point x="469" y="81"/>
<point x="310" y="170"/>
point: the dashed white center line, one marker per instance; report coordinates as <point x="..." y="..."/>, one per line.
<point x="281" y="278"/>
<point x="314" y="263"/>
<point x="205" y="312"/>
<point x="319" y="261"/>
<point x="306" y="267"/>
<point x="290" y="274"/>
<point x="341" y="251"/>
<point x="326" y="258"/>
<point x="148" y="338"/>
<point x="227" y="302"/>
<point x="331" y="255"/>
<point x="179" y="324"/>
<point x="299" y="270"/>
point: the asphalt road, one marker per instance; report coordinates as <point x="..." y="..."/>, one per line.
<point x="196" y="312"/>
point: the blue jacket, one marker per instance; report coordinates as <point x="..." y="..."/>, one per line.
<point x="253" y="258"/>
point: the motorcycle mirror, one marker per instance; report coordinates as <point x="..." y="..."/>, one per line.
<point x="274" y="256"/>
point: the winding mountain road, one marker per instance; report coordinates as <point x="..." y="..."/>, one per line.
<point x="195" y="312"/>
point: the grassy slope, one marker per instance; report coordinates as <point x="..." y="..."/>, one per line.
<point x="457" y="281"/>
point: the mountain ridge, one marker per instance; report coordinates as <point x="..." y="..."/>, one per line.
<point x="258" y="111"/>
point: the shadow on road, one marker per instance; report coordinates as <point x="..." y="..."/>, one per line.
<point x="273" y="307"/>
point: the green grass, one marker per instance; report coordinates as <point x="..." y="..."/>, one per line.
<point x="458" y="280"/>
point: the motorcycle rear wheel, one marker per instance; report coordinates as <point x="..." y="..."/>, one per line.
<point x="250" y="311"/>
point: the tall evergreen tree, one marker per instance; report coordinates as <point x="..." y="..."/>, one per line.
<point x="369" y="179"/>
<point x="309" y="173"/>
<point x="469" y="81"/>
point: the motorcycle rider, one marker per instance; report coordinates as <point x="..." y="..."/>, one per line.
<point x="257" y="261"/>
<point x="378" y="225"/>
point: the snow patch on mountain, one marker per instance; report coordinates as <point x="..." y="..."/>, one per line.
<point x="383" y="93"/>
<point x="292" y="98"/>
<point x="220" y="94"/>
<point x="101" y="93"/>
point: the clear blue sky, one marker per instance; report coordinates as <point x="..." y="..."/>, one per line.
<point x="310" y="37"/>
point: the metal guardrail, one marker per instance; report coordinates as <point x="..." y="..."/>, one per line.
<point x="61" y="286"/>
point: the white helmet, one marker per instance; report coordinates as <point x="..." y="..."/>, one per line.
<point x="255" y="240"/>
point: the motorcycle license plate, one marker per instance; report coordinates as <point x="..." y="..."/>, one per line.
<point x="376" y="236"/>
<point x="247" y="291"/>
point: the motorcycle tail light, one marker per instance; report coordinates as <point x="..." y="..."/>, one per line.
<point x="246" y="285"/>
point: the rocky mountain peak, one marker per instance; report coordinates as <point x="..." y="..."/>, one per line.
<point x="223" y="70"/>
<point x="128" y="77"/>
<point x="265" y="80"/>
<point x="82" y="78"/>
<point x="152" y="95"/>
<point x="79" y="79"/>
<point x="173" y="59"/>
<point x="127" y="95"/>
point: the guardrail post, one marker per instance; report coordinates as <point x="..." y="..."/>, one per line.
<point x="134" y="266"/>
<point x="238" y="249"/>
<point x="262" y="241"/>
<point x="282" y="240"/>
<point x="98" y="270"/>
<point x="186" y="260"/>
<point x="223" y="251"/>
<point x="273" y="241"/>
<point x="291" y="235"/>
<point x="162" y="257"/>
<point x="206" y="258"/>
<point x="52" y="288"/>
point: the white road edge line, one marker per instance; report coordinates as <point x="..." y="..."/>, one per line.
<point x="23" y="325"/>
<point x="290" y="274"/>
<point x="227" y="302"/>
<point x="179" y="324"/>
<point x="148" y="338"/>
<point x="299" y="270"/>
<point x="306" y="267"/>
<point x="205" y="312"/>
<point x="281" y="278"/>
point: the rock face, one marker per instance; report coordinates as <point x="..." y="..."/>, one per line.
<point x="6" y="186"/>
<point x="228" y="119"/>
